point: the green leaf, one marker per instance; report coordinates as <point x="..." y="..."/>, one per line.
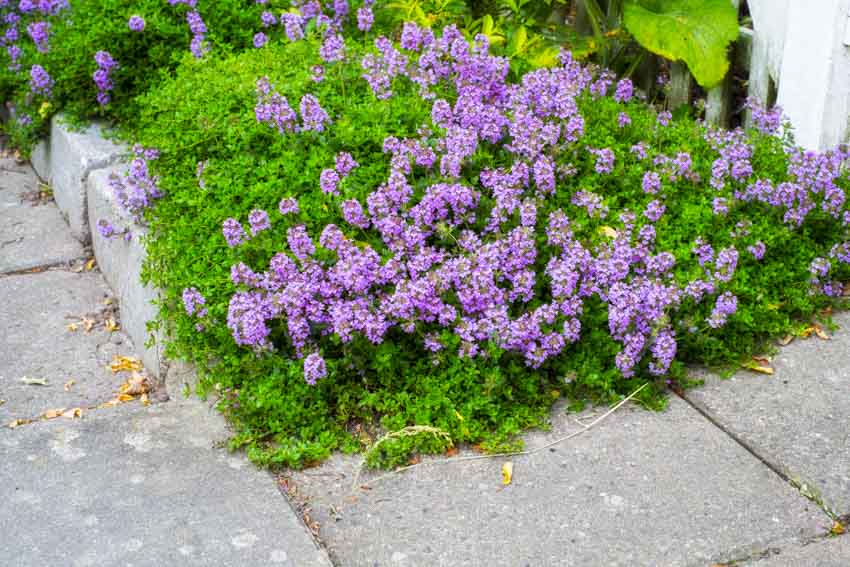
<point x="694" y="31"/>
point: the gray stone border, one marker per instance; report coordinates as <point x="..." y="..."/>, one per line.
<point x="77" y="165"/>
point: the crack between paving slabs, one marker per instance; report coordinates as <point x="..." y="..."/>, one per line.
<point x="65" y="265"/>
<point x="802" y="487"/>
<point x="805" y="488"/>
<point x="300" y="506"/>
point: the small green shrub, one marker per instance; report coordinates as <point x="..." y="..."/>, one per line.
<point x="204" y="114"/>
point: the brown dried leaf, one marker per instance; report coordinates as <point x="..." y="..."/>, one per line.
<point x="762" y="359"/>
<point x="806" y="333"/>
<point x="821" y="333"/>
<point x="755" y="367"/>
<point x="18" y="423"/>
<point x="73" y="412"/>
<point x="111" y="325"/>
<point x="125" y="364"/>
<point x="90" y="265"/>
<point x="88" y="324"/>
<point x="135" y="386"/>
<point x="451" y="452"/>
<point x="53" y="413"/>
<point x="786" y="340"/>
<point x="144" y="399"/>
<point x="2" y="401"/>
<point x="35" y="381"/>
<point x="71" y="327"/>
<point x="68" y="384"/>
<point x="837" y="529"/>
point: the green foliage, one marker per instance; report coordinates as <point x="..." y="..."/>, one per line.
<point x="144" y="58"/>
<point x="694" y="31"/>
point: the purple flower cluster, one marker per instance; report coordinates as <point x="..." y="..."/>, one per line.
<point x="40" y="81"/>
<point x="441" y="274"/>
<point x="138" y="190"/>
<point x="273" y="108"/>
<point x="198" y="46"/>
<point x="105" y="65"/>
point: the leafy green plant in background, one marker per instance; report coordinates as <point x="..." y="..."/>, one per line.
<point x="697" y="32"/>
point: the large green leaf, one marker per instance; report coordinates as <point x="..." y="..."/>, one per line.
<point x="694" y="31"/>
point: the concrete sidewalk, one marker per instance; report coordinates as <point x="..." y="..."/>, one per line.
<point x="131" y="484"/>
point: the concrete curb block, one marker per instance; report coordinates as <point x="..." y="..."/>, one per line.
<point x="68" y="158"/>
<point x="120" y="261"/>
<point x="40" y="160"/>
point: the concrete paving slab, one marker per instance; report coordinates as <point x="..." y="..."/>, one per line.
<point x="796" y="419"/>
<point x="831" y="552"/>
<point x="32" y="233"/>
<point x="640" y="488"/>
<point x="141" y="486"/>
<point x="35" y="343"/>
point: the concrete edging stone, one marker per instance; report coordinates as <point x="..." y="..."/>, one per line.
<point x="77" y="165"/>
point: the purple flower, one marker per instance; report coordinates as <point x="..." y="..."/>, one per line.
<point x="726" y="305"/>
<point x="624" y="91"/>
<point x="328" y="181"/>
<point x="288" y="206"/>
<point x="260" y="39"/>
<point x="314" y="368"/>
<point x="333" y="48"/>
<point x="344" y="163"/>
<point x="757" y="250"/>
<point x="623" y="120"/>
<point x="136" y="23"/>
<point x="194" y="302"/>
<point x="654" y="210"/>
<point x="39" y="32"/>
<point x="720" y="206"/>
<point x="258" y="220"/>
<point x="651" y="182"/>
<point x="317" y="73"/>
<point x="365" y="18"/>
<point x="299" y="242"/>
<point x="313" y="116"/>
<point x="664" y="118"/>
<point x="233" y="232"/>
<point x="40" y="81"/>
<point x="268" y="19"/>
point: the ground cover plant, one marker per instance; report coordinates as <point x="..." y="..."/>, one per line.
<point x="92" y="58"/>
<point x="406" y="233"/>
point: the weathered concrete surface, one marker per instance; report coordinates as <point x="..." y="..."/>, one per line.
<point x="141" y="486"/>
<point x="796" y="419"/>
<point x="40" y="160"/>
<point x="73" y="155"/>
<point x="831" y="552"/>
<point x="35" y="342"/>
<point x="31" y="233"/>
<point x="640" y="488"/>
<point x="121" y="263"/>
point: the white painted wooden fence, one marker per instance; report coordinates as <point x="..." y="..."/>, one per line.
<point x="803" y="47"/>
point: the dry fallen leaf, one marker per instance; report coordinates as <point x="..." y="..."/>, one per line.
<point x="2" y="402"/>
<point x="786" y="340"/>
<point x="125" y="363"/>
<point x="144" y="399"/>
<point x="451" y="452"/>
<point x="53" y="413"/>
<point x="73" y="412"/>
<point x="821" y="333"/>
<point x="71" y="327"/>
<point x="18" y="423"/>
<point x="35" y="381"/>
<point x="507" y="472"/>
<point x="755" y="367"/>
<point x="608" y="231"/>
<point x="107" y="301"/>
<point x="762" y="359"/>
<point x="90" y="265"/>
<point x="88" y="324"/>
<point x="135" y="386"/>
<point x="111" y="325"/>
<point x="837" y="529"/>
<point x="806" y="333"/>
<point x="68" y="384"/>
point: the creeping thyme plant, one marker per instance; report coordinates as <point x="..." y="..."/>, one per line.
<point x="358" y="229"/>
